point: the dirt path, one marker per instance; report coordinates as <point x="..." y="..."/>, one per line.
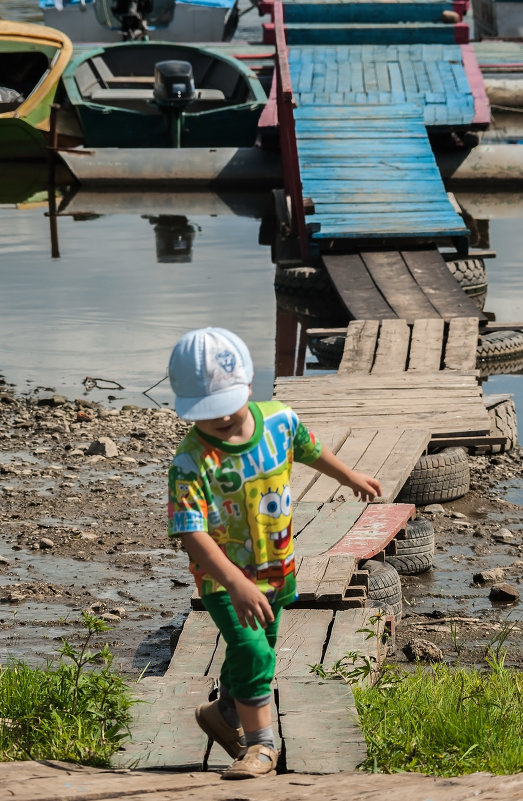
<point x="85" y="530"/>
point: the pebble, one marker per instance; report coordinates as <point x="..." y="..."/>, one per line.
<point x="435" y="509"/>
<point x="46" y="543"/>
<point x="103" y="446"/>
<point x="489" y="576"/>
<point x="504" y="594"/>
<point x="504" y="535"/>
<point x="422" y="650"/>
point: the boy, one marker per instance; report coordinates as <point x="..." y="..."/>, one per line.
<point x="229" y="501"/>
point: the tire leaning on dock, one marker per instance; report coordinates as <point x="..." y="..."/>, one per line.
<point x="415" y="553"/>
<point x="503" y="422"/>
<point x="437" y="478"/>
<point x="471" y="275"/>
<point x="384" y="587"/>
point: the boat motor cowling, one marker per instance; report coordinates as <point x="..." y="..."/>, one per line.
<point x="173" y="84"/>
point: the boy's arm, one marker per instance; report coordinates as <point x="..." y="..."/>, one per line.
<point x="364" y="487"/>
<point x="249" y="602"/>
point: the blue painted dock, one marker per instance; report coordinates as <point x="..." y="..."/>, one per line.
<point x="369" y="174"/>
<point x="432" y="76"/>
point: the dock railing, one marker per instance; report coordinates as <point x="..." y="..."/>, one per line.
<point x="289" y="150"/>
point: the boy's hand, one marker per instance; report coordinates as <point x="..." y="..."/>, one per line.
<point x="250" y="604"/>
<point x="364" y="487"/>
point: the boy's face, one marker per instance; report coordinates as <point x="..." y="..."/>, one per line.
<point x="235" y="427"/>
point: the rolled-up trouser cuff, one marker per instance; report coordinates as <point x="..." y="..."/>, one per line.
<point x="261" y="700"/>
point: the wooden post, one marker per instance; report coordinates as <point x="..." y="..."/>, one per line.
<point x="51" y="184"/>
<point x="289" y="149"/>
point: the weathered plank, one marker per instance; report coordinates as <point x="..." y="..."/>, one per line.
<point x="302" y="636"/>
<point x="319" y="725"/>
<point x="360" y="347"/>
<point x="330" y="524"/>
<point x="462" y="343"/>
<point x="195" y="647"/>
<point x="164" y="731"/>
<point x="426" y="345"/>
<point x="309" y="573"/>
<point x="375" y="528"/>
<point x="392" y="347"/>
<point x="336" y="579"/>
<point x="394" y="280"/>
<point x="350" y="632"/>
<point x="303" y="475"/>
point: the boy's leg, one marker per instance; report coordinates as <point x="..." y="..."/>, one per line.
<point x="247" y="672"/>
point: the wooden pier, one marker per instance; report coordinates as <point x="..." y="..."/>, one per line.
<point x="357" y="170"/>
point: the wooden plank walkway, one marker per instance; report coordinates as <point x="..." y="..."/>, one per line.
<point x="365" y="10"/>
<point x="440" y="79"/>
<point x="411" y="284"/>
<point x="357" y="151"/>
<point x="165" y="734"/>
<point x="359" y="33"/>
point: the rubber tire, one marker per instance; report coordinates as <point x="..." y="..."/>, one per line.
<point x="328" y="350"/>
<point x="503" y="422"/>
<point x="470" y="274"/>
<point x="384" y="588"/>
<point x="437" y="478"/>
<point x="302" y="279"/>
<point x="415" y="553"/>
<point x="500" y="345"/>
<point x="503" y="367"/>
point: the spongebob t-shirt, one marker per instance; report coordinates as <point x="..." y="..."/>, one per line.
<point x="240" y="495"/>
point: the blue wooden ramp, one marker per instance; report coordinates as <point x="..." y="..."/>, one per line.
<point x="368" y="174"/>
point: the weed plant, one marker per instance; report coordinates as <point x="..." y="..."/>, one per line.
<point x="77" y="711"/>
<point x="440" y="720"/>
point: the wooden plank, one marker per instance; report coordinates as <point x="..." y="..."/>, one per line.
<point x="376" y="527"/>
<point x="330" y="524"/>
<point x="301" y="639"/>
<point x="336" y="578"/>
<point x="319" y="725"/>
<point x="360" y="346"/>
<point x="440" y="286"/>
<point x="462" y="344"/>
<point x="400" y="461"/>
<point x="309" y="573"/>
<point x="426" y="345"/>
<point x="326" y="488"/>
<point x="393" y="347"/>
<point x="355" y="287"/>
<point x="163" y="728"/>
<point x="303" y="512"/>
<point x="195" y="647"/>
<point x="395" y="281"/>
<point x="348" y="634"/>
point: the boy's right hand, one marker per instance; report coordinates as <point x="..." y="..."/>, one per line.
<point x="250" y="604"/>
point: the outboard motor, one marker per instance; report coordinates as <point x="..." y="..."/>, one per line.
<point x="173" y="91"/>
<point x="173" y="84"/>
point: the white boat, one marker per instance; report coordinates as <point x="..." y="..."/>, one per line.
<point x="167" y="20"/>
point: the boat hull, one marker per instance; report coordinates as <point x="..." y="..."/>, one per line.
<point x="111" y="89"/>
<point x="32" y="61"/>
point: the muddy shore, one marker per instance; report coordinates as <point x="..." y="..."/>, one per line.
<point x="83" y="509"/>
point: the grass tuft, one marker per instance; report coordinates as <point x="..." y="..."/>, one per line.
<point x="77" y="712"/>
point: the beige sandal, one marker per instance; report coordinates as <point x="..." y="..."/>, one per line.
<point x="211" y="721"/>
<point x="249" y="765"/>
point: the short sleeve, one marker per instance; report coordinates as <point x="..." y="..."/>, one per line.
<point x="187" y="504"/>
<point x="306" y="447"/>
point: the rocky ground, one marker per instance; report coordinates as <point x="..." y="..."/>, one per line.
<point x="82" y="516"/>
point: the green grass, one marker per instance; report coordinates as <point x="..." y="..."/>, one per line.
<point x="444" y="721"/>
<point x="78" y="711"/>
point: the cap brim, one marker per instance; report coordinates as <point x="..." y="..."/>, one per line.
<point x="219" y="404"/>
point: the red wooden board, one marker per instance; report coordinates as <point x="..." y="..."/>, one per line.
<point x="376" y="527"/>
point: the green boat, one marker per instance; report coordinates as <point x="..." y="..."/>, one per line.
<point x="161" y="94"/>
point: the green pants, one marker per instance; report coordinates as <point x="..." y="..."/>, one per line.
<point x="250" y="659"/>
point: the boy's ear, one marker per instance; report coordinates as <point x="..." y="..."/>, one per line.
<point x="250" y="390"/>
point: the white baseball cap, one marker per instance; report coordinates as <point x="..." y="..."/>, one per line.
<point x="210" y="371"/>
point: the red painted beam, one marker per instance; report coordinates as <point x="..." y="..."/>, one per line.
<point x="374" y="529"/>
<point x="461" y="33"/>
<point x="477" y="86"/>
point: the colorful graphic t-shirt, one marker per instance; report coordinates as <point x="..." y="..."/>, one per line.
<point x="240" y="495"/>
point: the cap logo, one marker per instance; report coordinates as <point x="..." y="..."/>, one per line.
<point x="226" y="360"/>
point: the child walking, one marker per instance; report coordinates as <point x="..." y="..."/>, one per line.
<point x="230" y="503"/>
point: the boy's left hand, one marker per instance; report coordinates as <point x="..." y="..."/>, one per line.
<point x="364" y="487"/>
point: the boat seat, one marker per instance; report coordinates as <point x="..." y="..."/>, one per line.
<point x="109" y="96"/>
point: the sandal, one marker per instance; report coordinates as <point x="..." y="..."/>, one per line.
<point x="211" y="721"/>
<point x="249" y="765"/>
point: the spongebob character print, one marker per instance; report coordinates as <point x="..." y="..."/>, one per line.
<point x="240" y="495"/>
